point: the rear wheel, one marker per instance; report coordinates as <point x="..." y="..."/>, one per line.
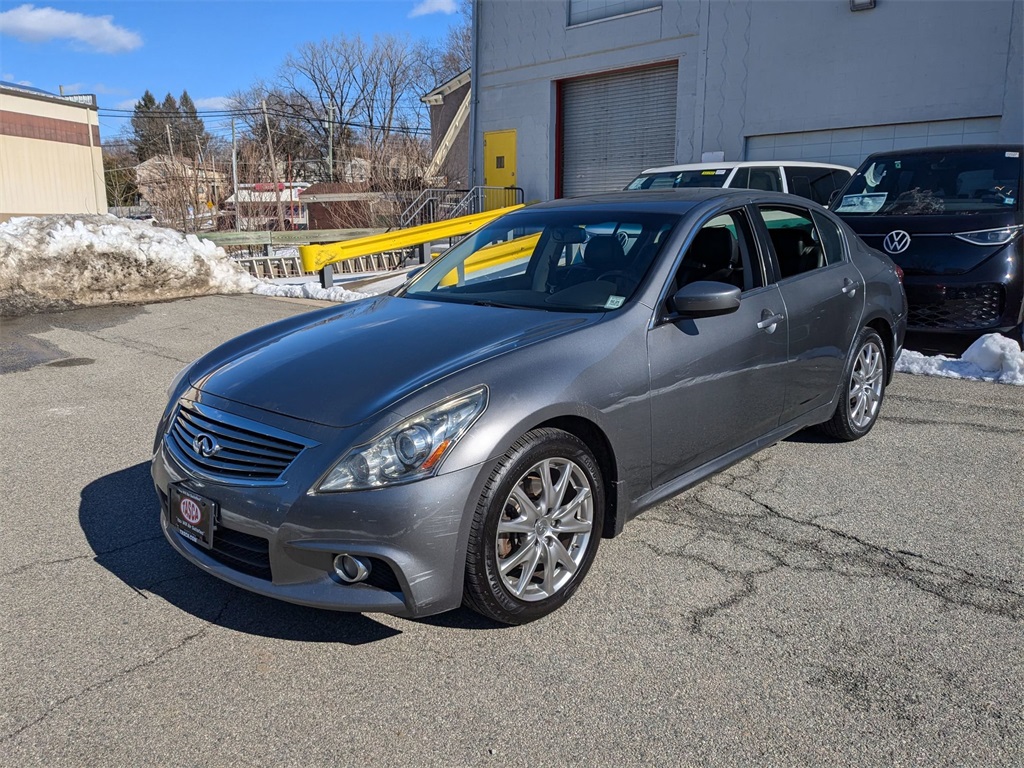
<point x="863" y="389"/>
<point x="536" y="528"/>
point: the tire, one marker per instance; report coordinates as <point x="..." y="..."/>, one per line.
<point x="863" y="389"/>
<point x="532" y="541"/>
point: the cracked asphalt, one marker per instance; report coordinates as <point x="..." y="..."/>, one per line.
<point x="819" y="604"/>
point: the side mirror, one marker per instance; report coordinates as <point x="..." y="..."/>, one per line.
<point x="705" y="298"/>
<point x="832" y="197"/>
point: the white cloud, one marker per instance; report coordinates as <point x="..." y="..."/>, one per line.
<point x="39" y="25"/>
<point x="214" y="102"/>
<point x="427" y="7"/>
<point x="126" y="104"/>
<point x="7" y="77"/>
<point x="98" y="88"/>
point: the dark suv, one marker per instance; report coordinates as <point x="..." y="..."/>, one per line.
<point x="951" y="218"/>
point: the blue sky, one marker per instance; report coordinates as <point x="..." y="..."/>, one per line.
<point x="119" y="48"/>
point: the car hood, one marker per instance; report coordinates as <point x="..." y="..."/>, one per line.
<point x="342" y="369"/>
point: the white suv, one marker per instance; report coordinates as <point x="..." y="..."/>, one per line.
<point x="815" y="181"/>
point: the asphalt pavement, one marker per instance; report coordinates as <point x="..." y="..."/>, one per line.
<point x="819" y="604"/>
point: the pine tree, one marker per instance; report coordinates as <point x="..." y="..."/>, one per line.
<point x="192" y="130"/>
<point x="148" y="134"/>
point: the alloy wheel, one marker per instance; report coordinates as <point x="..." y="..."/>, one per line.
<point x="545" y="529"/>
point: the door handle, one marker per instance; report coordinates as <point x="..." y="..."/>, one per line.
<point x="769" y="321"/>
<point x="850" y="287"/>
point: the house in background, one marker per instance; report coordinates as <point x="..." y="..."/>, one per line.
<point x="262" y="206"/>
<point x="50" y="153"/>
<point x="181" y="191"/>
<point x="449" y="133"/>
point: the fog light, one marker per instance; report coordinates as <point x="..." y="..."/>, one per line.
<point x="351" y="569"/>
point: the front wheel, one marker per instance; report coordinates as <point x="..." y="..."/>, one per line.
<point x="863" y="390"/>
<point x="536" y="528"/>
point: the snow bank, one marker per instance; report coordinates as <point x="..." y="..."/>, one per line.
<point x="308" y="287"/>
<point x="309" y="290"/>
<point x="990" y="358"/>
<point x="60" y="262"/>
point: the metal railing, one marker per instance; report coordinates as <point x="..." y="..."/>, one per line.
<point x="439" y="204"/>
<point x="291" y="266"/>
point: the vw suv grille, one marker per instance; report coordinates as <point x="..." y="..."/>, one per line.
<point x="227" y="448"/>
<point x="963" y="308"/>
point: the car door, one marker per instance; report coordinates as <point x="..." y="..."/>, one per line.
<point x="823" y="294"/>
<point x="716" y="382"/>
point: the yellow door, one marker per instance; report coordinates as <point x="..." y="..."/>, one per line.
<point x="499" y="167"/>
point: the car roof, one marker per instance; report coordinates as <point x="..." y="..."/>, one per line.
<point x="744" y="164"/>
<point x="962" y="148"/>
<point x="668" y="200"/>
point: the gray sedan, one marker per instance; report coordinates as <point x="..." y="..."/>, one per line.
<point x="471" y="437"/>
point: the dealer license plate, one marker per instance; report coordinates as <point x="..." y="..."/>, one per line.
<point x="193" y="516"/>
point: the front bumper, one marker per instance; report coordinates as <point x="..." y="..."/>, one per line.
<point x="281" y="541"/>
<point x="988" y="299"/>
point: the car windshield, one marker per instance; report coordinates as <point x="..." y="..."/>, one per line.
<point x="707" y="177"/>
<point x="922" y="183"/>
<point x="567" y="260"/>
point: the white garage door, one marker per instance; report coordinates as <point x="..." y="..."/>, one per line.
<point x="849" y="146"/>
<point x="614" y="126"/>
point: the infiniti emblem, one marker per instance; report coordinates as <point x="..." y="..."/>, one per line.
<point x="896" y="242"/>
<point x="205" y="445"/>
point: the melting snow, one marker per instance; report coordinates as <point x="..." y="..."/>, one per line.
<point x="58" y="262"/>
<point x="990" y="358"/>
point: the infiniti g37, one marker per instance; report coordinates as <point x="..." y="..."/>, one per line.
<point x="471" y="437"/>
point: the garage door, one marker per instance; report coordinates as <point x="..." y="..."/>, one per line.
<point x="614" y="126"/>
<point x="849" y="146"/>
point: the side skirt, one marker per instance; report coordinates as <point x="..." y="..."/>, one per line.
<point x="678" y="485"/>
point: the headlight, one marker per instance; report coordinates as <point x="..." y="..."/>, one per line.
<point x="409" y="451"/>
<point x="177" y="380"/>
<point x="990" y="236"/>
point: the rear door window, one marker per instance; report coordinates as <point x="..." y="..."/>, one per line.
<point x="794" y="239"/>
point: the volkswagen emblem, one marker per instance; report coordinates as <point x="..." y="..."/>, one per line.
<point x="205" y="445"/>
<point x="896" y="242"/>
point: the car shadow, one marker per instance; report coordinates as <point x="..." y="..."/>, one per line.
<point x="120" y="516"/>
<point x="809" y="435"/>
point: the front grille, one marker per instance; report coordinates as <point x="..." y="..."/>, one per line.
<point x="967" y="308"/>
<point x="246" y="452"/>
<point x="241" y="552"/>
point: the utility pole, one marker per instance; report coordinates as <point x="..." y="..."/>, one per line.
<point x="273" y="165"/>
<point x="330" y="142"/>
<point x="234" y="176"/>
<point x="171" y="180"/>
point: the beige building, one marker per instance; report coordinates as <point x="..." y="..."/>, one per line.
<point x="50" y="156"/>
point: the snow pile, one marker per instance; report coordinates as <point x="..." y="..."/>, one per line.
<point x="60" y="262"/>
<point x="990" y="358"/>
<point x="308" y="287"/>
<point x="309" y="290"/>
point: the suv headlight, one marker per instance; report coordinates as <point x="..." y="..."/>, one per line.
<point x="409" y="451"/>
<point x="1000" y="236"/>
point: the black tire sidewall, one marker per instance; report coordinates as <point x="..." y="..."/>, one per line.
<point x="485" y="588"/>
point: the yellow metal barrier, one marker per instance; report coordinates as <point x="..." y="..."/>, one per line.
<point x="492" y="256"/>
<point x="316" y="257"/>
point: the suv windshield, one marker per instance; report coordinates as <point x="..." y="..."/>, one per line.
<point x="562" y="260"/>
<point x="922" y="183"/>
<point x="709" y="177"/>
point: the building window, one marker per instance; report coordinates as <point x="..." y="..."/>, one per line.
<point x="582" y="11"/>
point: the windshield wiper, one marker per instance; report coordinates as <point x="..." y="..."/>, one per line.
<point x="482" y="303"/>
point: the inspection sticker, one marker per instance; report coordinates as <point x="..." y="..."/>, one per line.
<point x="614" y="302"/>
